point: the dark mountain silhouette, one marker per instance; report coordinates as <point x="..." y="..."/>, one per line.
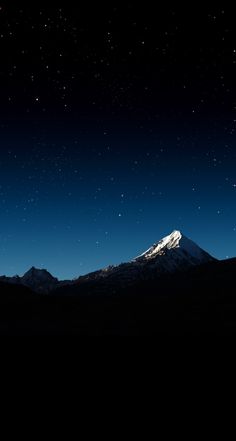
<point x="39" y="280"/>
<point x="173" y="253"/>
<point x="192" y="294"/>
<point x="199" y="301"/>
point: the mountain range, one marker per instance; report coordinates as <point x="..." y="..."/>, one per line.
<point x="174" y="288"/>
<point x="173" y="253"/>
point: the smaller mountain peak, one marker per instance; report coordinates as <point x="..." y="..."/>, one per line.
<point x="33" y="269"/>
<point x="40" y="270"/>
<point x="37" y="273"/>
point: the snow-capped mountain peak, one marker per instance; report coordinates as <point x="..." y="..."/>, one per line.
<point x="168" y="242"/>
<point x="174" y="253"/>
<point x="175" y="248"/>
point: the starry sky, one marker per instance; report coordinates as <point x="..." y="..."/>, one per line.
<point x="117" y="126"/>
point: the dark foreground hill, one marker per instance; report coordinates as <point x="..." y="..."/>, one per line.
<point x="199" y="301"/>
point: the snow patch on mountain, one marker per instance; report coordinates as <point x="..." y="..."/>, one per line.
<point x="168" y="242"/>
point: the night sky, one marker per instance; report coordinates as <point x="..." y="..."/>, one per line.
<point x="117" y="126"/>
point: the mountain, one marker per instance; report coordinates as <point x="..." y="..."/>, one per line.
<point x="199" y="301"/>
<point x="39" y="280"/>
<point x="171" y="254"/>
<point x="174" y="252"/>
<point x="173" y="289"/>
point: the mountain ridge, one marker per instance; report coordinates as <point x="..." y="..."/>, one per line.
<point x="171" y="254"/>
<point x="198" y="300"/>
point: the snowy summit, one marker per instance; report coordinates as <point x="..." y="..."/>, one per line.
<point x="177" y="248"/>
<point x="171" y="254"/>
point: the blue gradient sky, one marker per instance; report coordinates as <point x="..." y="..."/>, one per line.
<point x="117" y="126"/>
<point x="110" y="197"/>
